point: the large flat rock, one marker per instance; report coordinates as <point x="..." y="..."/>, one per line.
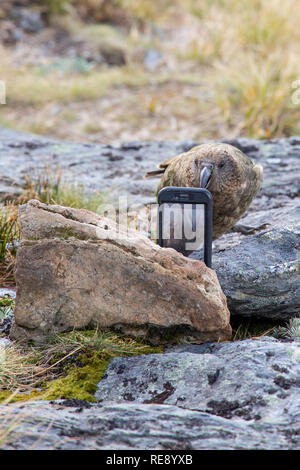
<point x="118" y="168"/>
<point x="250" y="380"/>
<point x="53" y="426"/>
<point x="123" y="166"/>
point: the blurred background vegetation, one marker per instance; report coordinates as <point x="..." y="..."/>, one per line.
<point x="115" y="70"/>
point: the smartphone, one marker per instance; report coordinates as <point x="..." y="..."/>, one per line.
<point x="185" y="221"/>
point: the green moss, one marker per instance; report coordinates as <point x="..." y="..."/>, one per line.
<point x="80" y="382"/>
<point x="79" y="378"/>
<point x="10" y="397"/>
<point x="4" y="395"/>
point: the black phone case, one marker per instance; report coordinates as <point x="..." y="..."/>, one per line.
<point x="190" y="196"/>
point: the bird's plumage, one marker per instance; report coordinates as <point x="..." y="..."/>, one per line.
<point x="231" y="177"/>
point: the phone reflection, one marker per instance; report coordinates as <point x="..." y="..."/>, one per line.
<point x="183" y="226"/>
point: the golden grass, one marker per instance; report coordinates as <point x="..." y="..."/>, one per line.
<point x="9" y="234"/>
<point x="48" y="187"/>
<point x="26" y="86"/>
<point x="243" y="55"/>
<point x="18" y="370"/>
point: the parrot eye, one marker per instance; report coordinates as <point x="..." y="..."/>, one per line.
<point x="221" y="164"/>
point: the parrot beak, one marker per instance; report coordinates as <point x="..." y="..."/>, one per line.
<point x="205" y="176"/>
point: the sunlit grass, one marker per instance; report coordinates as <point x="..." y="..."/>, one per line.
<point x="291" y="331"/>
<point x="257" y="98"/>
<point x="9" y="235"/>
<point x="49" y="187"/>
<point x="243" y="55"/>
<point x="28" y="86"/>
<point x="253" y="66"/>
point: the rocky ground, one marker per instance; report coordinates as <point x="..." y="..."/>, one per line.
<point x="235" y="395"/>
<point x="242" y="395"/>
<point x="258" y="272"/>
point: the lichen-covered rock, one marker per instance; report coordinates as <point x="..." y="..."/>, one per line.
<point x="242" y="395"/>
<point x="129" y="426"/>
<point x="44" y="425"/>
<point x="75" y="269"/>
<point x="260" y="276"/>
<point x="253" y="380"/>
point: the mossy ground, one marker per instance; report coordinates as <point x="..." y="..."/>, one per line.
<point x="69" y="365"/>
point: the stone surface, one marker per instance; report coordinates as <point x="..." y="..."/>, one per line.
<point x="42" y="425"/>
<point x="123" y="166"/>
<point x="74" y="270"/>
<point x="270" y="291"/>
<point x="260" y="276"/>
<point x="117" y="168"/>
<point x="28" y="20"/>
<point x="6" y="314"/>
<point x="4" y="344"/>
<point x="250" y="380"/>
<point x="242" y="395"/>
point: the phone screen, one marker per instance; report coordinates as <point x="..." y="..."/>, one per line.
<point x="183" y="226"/>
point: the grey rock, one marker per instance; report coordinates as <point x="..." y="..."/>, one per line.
<point x="123" y="166"/>
<point x="249" y="380"/>
<point x="28" y="20"/>
<point x="152" y="59"/>
<point x="9" y="34"/>
<point x="117" y="168"/>
<point x="260" y="276"/>
<point x="4" y="344"/>
<point x="44" y="425"/>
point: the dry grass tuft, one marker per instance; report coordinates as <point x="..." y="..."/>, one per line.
<point x="9" y="234"/>
<point x="18" y="370"/>
<point x="37" y="371"/>
<point x="49" y="187"/>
